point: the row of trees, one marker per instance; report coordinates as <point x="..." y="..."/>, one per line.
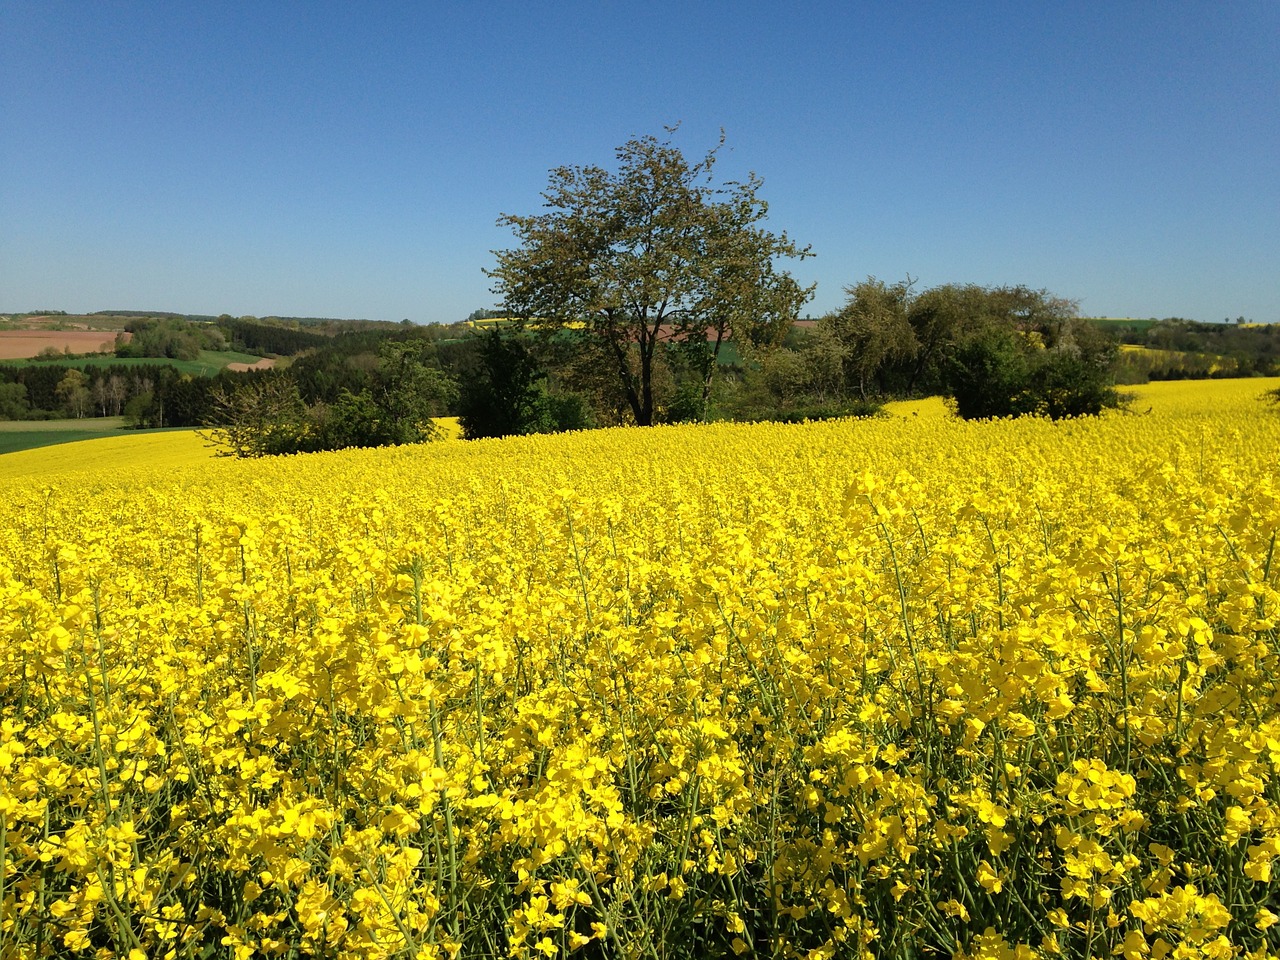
<point x="171" y="338"/>
<point x="150" y="396"/>
<point x="996" y="351"/>
<point x="254" y="336"/>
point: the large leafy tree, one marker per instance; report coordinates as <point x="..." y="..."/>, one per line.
<point x="653" y="253"/>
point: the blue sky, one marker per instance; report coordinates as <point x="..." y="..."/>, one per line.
<point x="340" y="159"/>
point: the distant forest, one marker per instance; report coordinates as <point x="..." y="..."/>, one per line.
<point x="323" y="356"/>
<point x="1178" y="349"/>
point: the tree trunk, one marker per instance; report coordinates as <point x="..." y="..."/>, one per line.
<point x="644" y="417"/>
<point x="628" y="382"/>
<point x="710" y="372"/>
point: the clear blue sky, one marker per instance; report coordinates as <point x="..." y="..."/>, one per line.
<point x="351" y="159"/>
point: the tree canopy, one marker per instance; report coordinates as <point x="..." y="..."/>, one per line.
<point x="655" y="252"/>
<point x="995" y="351"/>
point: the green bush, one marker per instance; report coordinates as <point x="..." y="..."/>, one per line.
<point x="1004" y="373"/>
<point x="506" y="395"/>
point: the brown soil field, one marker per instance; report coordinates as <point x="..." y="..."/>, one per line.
<point x="266" y="363"/>
<point x="22" y="344"/>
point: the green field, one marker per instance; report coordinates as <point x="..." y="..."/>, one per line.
<point x="206" y="365"/>
<point x="18" y="435"/>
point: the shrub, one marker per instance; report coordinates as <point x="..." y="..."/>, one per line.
<point x="1004" y="373"/>
<point x="506" y="395"/>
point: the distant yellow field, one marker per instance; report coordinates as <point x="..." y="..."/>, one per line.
<point x="933" y="408"/>
<point x="450" y="428"/>
<point x="1168" y="396"/>
<point x="108" y="456"/>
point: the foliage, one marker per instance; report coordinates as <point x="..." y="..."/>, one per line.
<point x="1178" y="349"/>
<point x="410" y="391"/>
<point x="169" y="392"/>
<point x="872" y="330"/>
<point x="1007" y="373"/>
<point x="250" y="334"/>
<point x="263" y="417"/>
<point x="990" y="376"/>
<point x="832" y="695"/>
<point x="208" y="363"/>
<point x="807" y="412"/>
<point x="652" y="253"/>
<point x="73" y="393"/>
<point x="142" y="410"/>
<point x="942" y="318"/>
<point x="998" y="351"/>
<point x="14" y="404"/>
<point x="267" y="414"/>
<point x="174" y="339"/>
<point x="485" y="313"/>
<point x="504" y="394"/>
<point x="349" y="360"/>
<point x="790" y="386"/>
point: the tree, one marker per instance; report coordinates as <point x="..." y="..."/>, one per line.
<point x="409" y="391"/>
<point x="115" y="393"/>
<point x="505" y="394"/>
<point x="500" y="397"/>
<point x="654" y="252"/>
<point x="1032" y="356"/>
<point x="13" y="401"/>
<point x="141" y="410"/>
<point x="73" y="392"/>
<point x="989" y="376"/>
<point x="941" y="318"/>
<point x="873" y="329"/>
<point x="265" y="416"/>
<point x="354" y="420"/>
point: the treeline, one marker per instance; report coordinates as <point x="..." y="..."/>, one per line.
<point x="322" y="368"/>
<point x="153" y="395"/>
<point x="995" y="351"/>
<point x="150" y="396"/>
<point x="330" y="322"/>
<point x="145" y="314"/>
<point x="385" y="386"/>
<point x="398" y="394"/>
<point x="253" y="336"/>
<point x="172" y="338"/>
<point x="1192" y="336"/>
<point x="1178" y="349"/>
<point x="381" y="384"/>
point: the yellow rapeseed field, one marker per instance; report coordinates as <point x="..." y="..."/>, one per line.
<point x="105" y="455"/>
<point x="897" y="687"/>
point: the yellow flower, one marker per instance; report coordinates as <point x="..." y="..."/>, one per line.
<point x="988" y="878"/>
